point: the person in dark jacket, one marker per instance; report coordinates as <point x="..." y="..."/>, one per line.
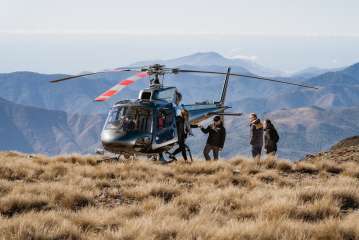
<point x="183" y="130"/>
<point x="256" y="136"/>
<point x="216" y="137"/>
<point x="271" y="137"/>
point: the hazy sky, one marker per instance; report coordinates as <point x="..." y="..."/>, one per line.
<point x="75" y="35"/>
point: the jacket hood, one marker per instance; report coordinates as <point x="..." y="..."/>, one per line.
<point x="220" y="126"/>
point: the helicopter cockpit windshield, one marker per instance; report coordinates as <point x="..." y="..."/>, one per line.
<point x="130" y="119"/>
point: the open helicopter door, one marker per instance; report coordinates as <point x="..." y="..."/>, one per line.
<point x="165" y="127"/>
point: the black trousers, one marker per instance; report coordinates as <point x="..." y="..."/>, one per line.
<point x="256" y="151"/>
<point x="271" y="149"/>
<point x="207" y="149"/>
<point x="181" y="138"/>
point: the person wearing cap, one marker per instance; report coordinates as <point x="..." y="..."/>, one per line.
<point x="216" y="138"/>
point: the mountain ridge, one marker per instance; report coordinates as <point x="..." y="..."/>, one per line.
<point x="202" y="59"/>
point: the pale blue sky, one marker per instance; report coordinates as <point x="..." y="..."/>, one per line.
<point x="70" y="36"/>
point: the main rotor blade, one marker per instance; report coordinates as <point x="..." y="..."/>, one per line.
<point x="247" y="76"/>
<point x="121" y="85"/>
<point x="93" y="73"/>
<point x="72" y="77"/>
<point x="226" y="114"/>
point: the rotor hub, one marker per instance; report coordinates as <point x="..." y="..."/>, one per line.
<point x="157" y="71"/>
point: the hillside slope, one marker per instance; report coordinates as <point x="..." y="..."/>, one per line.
<point x="348" y="142"/>
<point x="72" y="197"/>
<point x="31" y="129"/>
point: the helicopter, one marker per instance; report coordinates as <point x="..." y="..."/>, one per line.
<point x="147" y="125"/>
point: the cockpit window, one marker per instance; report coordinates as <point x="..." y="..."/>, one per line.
<point x="129" y="119"/>
<point x="146" y="95"/>
<point x="167" y="94"/>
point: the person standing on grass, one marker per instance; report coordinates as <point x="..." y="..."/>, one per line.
<point x="271" y="137"/>
<point x="256" y="136"/>
<point x="184" y="129"/>
<point x="216" y="138"/>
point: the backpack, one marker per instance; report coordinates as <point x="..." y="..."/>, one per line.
<point x="275" y="136"/>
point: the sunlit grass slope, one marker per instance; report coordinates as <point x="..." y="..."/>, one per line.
<point x="73" y="197"/>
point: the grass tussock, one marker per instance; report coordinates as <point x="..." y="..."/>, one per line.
<point x="303" y="167"/>
<point x="72" y="197"/>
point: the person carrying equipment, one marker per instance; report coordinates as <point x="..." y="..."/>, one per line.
<point x="183" y="130"/>
<point x="216" y="138"/>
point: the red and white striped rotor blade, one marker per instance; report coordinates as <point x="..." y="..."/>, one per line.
<point x="121" y="85"/>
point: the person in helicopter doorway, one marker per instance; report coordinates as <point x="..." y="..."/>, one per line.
<point x="256" y="136"/>
<point x="216" y="138"/>
<point x="183" y="130"/>
<point x="179" y="123"/>
<point x="178" y="105"/>
<point x="161" y="120"/>
<point x="271" y="138"/>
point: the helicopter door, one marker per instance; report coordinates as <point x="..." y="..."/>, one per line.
<point x="166" y="127"/>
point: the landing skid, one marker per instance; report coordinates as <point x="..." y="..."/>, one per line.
<point x="159" y="157"/>
<point x="164" y="157"/>
<point x="110" y="159"/>
<point x="117" y="158"/>
<point x="174" y="159"/>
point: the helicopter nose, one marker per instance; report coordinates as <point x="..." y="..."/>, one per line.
<point x="126" y="142"/>
<point x="113" y="139"/>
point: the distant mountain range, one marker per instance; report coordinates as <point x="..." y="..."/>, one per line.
<point x="209" y="59"/>
<point x="311" y="72"/>
<point x="77" y="96"/>
<point x="59" y="118"/>
<point x="336" y="89"/>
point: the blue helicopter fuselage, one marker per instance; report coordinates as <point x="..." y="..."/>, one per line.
<point x="148" y="125"/>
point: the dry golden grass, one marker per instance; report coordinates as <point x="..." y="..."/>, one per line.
<point x="72" y="197"/>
